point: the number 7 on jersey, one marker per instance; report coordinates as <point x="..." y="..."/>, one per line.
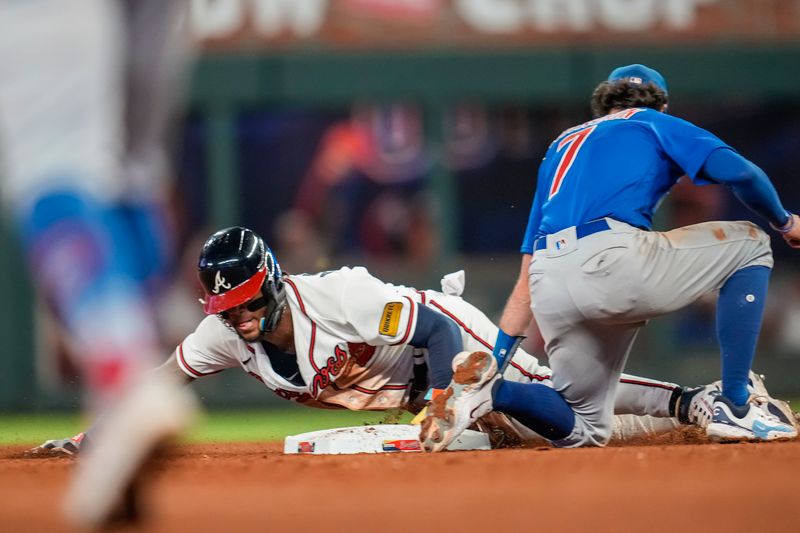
<point x="573" y="142"/>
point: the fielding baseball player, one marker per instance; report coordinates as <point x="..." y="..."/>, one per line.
<point x="593" y="273"/>
<point x="86" y="89"/>
<point x="343" y="338"/>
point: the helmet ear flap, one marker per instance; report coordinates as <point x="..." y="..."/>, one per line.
<point x="274" y="291"/>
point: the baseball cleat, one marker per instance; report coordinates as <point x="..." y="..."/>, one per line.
<point x="776" y="407"/>
<point x="696" y="405"/>
<point x="467" y="398"/>
<point x="104" y="488"/>
<point x="752" y="421"/>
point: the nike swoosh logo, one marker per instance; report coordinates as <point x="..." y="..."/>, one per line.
<point x="246" y="361"/>
<point x="472" y="413"/>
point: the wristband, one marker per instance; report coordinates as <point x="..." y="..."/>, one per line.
<point x="786" y="228"/>
<point x="504" y="348"/>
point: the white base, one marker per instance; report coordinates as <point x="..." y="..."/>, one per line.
<point x="382" y="438"/>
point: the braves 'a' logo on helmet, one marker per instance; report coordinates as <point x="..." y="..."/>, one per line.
<point x="220" y="283"/>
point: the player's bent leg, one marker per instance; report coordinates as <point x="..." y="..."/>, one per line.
<point x="669" y="263"/>
<point x="637" y="395"/>
<point x="596" y="350"/>
<point x="740" y="309"/>
<point x="627" y="427"/>
<point x="153" y="411"/>
<point x="641" y="396"/>
<point x="100" y="302"/>
<point x="538" y="407"/>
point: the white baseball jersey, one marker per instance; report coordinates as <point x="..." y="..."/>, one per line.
<point x="351" y="335"/>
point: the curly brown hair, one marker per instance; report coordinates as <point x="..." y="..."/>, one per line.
<point x="622" y="94"/>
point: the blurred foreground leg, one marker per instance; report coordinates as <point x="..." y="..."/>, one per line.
<point x="104" y="487"/>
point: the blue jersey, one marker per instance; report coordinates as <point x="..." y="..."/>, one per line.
<point x="618" y="166"/>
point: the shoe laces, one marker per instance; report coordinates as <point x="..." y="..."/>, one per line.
<point x="701" y="406"/>
<point x="760" y="402"/>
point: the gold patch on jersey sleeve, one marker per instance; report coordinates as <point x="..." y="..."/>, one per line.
<point x="390" y="319"/>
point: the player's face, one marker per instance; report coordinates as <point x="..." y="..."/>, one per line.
<point x="245" y="318"/>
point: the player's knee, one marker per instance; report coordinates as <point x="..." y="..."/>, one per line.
<point x="588" y="433"/>
<point x="757" y="249"/>
<point x="600" y="436"/>
<point x="756" y="233"/>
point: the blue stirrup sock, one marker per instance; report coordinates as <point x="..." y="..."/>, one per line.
<point x="740" y="309"/>
<point x="538" y="407"/>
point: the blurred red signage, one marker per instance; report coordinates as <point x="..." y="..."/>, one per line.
<point x="246" y="24"/>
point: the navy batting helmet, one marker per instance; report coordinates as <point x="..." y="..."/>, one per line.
<point x="235" y="266"/>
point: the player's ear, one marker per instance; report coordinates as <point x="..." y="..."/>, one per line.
<point x="664" y="108"/>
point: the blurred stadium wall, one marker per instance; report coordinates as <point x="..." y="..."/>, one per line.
<point x="405" y="135"/>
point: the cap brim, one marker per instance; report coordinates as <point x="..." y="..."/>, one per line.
<point x="216" y="303"/>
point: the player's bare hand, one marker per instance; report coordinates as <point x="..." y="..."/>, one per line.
<point x="59" y="447"/>
<point x="792" y="237"/>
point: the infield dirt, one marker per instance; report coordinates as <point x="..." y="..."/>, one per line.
<point x="653" y="486"/>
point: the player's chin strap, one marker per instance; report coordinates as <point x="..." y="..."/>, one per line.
<point x="504" y="348"/>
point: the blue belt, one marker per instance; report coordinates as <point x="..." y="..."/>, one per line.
<point x="584" y="230"/>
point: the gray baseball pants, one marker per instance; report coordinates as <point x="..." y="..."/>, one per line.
<point x="591" y="296"/>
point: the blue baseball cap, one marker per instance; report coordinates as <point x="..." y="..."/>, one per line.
<point x="641" y="74"/>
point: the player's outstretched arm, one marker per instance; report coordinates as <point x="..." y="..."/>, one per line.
<point x="754" y="189"/>
<point x="59" y="447"/>
<point x="170" y="367"/>
<point x="516" y="318"/>
<point x="517" y="314"/>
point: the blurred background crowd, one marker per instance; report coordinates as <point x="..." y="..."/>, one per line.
<point x="405" y="135"/>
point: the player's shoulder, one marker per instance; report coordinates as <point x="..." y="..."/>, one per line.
<point x="324" y="291"/>
<point x="330" y="277"/>
<point x="659" y="118"/>
<point x="212" y="332"/>
<point x="626" y="115"/>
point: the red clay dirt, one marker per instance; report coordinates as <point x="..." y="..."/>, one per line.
<point x="653" y="486"/>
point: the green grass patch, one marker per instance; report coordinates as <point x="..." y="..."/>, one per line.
<point x="213" y="426"/>
<point x="37" y="428"/>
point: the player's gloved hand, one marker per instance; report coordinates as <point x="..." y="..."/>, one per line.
<point x="70" y="446"/>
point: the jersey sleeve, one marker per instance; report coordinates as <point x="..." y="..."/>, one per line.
<point x="534" y="221"/>
<point x="378" y="312"/>
<point x="206" y="351"/>
<point x="686" y="144"/>
<point x="535" y="216"/>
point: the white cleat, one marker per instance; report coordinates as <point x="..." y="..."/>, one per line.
<point x="774" y="406"/>
<point x="467" y="398"/>
<point x="777" y="408"/>
<point x="752" y="421"/>
<point x="103" y="486"/>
